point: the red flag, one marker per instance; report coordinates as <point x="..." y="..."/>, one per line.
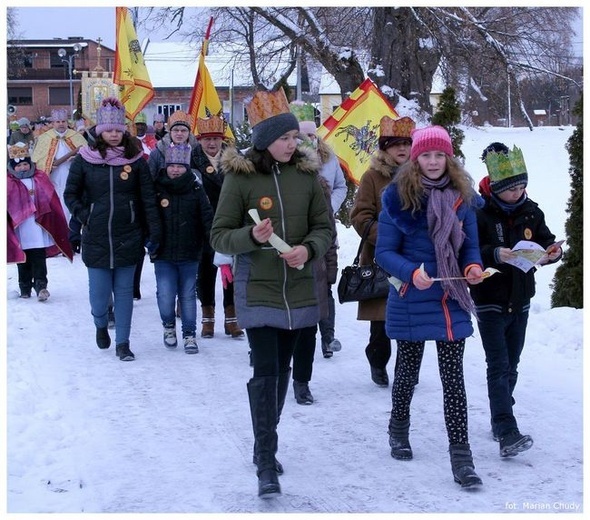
<point x="353" y="129"/>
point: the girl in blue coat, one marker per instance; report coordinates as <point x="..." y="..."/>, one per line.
<point x="428" y="229"/>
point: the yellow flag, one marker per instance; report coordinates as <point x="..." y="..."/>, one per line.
<point x="204" y="98"/>
<point x="131" y="74"/>
<point x="353" y="129"/>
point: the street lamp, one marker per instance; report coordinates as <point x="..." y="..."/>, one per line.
<point x="62" y="53"/>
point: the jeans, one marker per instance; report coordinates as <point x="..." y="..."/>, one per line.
<point x="502" y="336"/>
<point x="172" y="279"/>
<point x="104" y="283"/>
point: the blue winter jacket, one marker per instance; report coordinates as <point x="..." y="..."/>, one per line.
<point x="403" y="243"/>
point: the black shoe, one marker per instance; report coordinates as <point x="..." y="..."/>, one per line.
<point x="123" y="352"/>
<point x="103" y="340"/>
<point x="514" y="443"/>
<point x="302" y="393"/>
<point x="379" y="376"/>
<point x="268" y="484"/>
<point x="326" y="350"/>
<point x="25" y="295"/>
<point x="278" y="466"/>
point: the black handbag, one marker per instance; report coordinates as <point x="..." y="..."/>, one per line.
<point x="362" y="282"/>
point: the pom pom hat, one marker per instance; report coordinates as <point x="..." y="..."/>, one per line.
<point x="430" y="139"/>
<point x="270" y="118"/>
<point x="110" y="116"/>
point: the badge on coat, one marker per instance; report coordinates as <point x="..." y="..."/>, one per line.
<point x="210" y="169"/>
<point x="164" y="203"/>
<point x="125" y="173"/>
<point x="528" y="234"/>
<point x="265" y="203"/>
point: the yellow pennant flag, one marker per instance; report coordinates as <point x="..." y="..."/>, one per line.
<point x="204" y="98"/>
<point x="131" y="74"/>
<point x="353" y="129"/>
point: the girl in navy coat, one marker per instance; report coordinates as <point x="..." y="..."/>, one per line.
<point x="427" y="229"/>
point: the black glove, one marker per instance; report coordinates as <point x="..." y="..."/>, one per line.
<point x="152" y="248"/>
<point x="75" y="246"/>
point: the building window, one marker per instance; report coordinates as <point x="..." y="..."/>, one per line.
<point x="55" y="62"/>
<point x="167" y="110"/>
<point x="59" y="96"/>
<point x="20" y="96"/>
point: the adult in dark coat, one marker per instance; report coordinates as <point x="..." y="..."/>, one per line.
<point x="111" y="193"/>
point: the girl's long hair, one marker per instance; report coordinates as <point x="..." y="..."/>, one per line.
<point x="131" y="145"/>
<point x="411" y="189"/>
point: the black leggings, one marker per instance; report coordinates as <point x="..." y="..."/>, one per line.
<point x="271" y="349"/>
<point x="450" y="368"/>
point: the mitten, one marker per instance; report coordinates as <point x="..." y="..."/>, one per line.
<point x="226" y="275"/>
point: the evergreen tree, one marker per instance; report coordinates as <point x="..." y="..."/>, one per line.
<point x="448" y="115"/>
<point x="568" y="282"/>
<point x="242" y="134"/>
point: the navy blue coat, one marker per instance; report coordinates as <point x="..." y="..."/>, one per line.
<point x="403" y="243"/>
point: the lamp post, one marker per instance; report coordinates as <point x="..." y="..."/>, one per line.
<point x="63" y="54"/>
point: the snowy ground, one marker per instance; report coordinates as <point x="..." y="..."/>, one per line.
<point x="171" y="433"/>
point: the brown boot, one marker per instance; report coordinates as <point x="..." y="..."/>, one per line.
<point x="208" y="321"/>
<point x="231" y="323"/>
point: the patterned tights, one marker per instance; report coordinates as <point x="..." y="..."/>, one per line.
<point x="450" y="368"/>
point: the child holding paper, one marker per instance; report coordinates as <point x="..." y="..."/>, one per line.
<point x="507" y="217"/>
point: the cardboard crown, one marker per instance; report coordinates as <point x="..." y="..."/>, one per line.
<point x="502" y="166"/>
<point x="401" y="127"/>
<point x="264" y="105"/>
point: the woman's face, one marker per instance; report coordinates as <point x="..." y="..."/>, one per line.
<point x="179" y="134"/>
<point x="112" y="137"/>
<point x="175" y="170"/>
<point x="283" y="148"/>
<point x="433" y="164"/>
<point x="400" y="151"/>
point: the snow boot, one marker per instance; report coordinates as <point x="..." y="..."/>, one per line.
<point x="170" y="340"/>
<point x="231" y="323"/>
<point x="262" y="394"/>
<point x="282" y="387"/>
<point x="399" y="439"/>
<point x="514" y="443"/>
<point x="302" y="393"/>
<point x="327" y="352"/>
<point x="103" y="340"/>
<point x="43" y="295"/>
<point x="123" y="352"/>
<point x="463" y="467"/>
<point x="208" y="321"/>
<point x="379" y="376"/>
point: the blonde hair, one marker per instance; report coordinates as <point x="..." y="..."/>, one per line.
<point x="411" y="189"/>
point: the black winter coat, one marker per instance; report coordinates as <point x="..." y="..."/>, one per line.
<point x="512" y="289"/>
<point x="186" y="217"/>
<point x="212" y="178"/>
<point x="116" y="206"/>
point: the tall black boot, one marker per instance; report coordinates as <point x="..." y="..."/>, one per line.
<point x="399" y="439"/>
<point x="262" y="393"/>
<point x="282" y="387"/>
<point x="462" y="466"/>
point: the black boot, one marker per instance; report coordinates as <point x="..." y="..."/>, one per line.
<point x="399" y="439"/>
<point x="462" y="466"/>
<point x="262" y="393"/>
<point x="282" y="387"/>
<point x="123" y="352"/>
<point x="103" y="340"/>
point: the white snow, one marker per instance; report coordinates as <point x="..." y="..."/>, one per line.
<point x="171" y="433"/>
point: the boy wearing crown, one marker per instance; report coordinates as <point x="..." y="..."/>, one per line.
<point x="205" y="158"/>
<point x="54" y="151"/>
<point x="36" y="226"/>
<point x="507" y="217"/>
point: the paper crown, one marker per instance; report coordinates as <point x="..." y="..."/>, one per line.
<point x="302" y="111"/>
<point x="159" y="118"/>
<point x="401" y="127"/>
<point x="503" y="166"/>
<point x="213" y="126"/>
<point x="266" y="104"/>
<point x="111" y="113"/>
<point x="180" y="118"/>
<point x="59" y="114"/>
<point x="178" y="154"/>
<point x="18" y="151"/>
<point x="141" y="118"/>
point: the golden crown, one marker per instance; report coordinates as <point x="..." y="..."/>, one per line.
<point x="401" y="127"/>
<point x="180" y="117"/>
<point x="505" y="165"/>
<point x="18" y="151"/>
<point x="211" y="125"/>
<point x="266" y="104"/>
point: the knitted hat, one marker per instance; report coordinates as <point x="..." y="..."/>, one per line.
<point x="180" y="118"/>
<point x="141" y="118"/>
<point x="430" y="139"/>
<point x="59" y="114"/>
<point x="23" y="121"/>
<point x="307" y="127"/>
<point x="395" y="131"/>
<point x="110" y="116"/>
<point x="494" y="147"/>
<point x="159" y="118"/>
<point x="506" y="169"/>
<point x="178" y="154"/>
<point x="270" y="118"/>
<point x="212" y="126"/>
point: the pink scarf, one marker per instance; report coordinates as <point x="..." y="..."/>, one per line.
<point x="115" y="156"/>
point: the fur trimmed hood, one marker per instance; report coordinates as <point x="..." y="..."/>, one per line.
<point x="384" y="164"/>
<point x="233" y="161"/>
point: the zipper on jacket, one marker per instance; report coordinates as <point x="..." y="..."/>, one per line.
<point x="110" y="221"/>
